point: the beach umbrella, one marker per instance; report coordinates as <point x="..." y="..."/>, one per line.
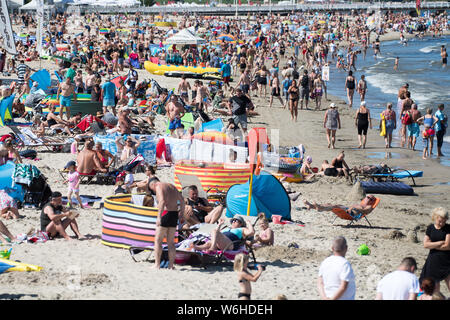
<point x="6" y="109"/>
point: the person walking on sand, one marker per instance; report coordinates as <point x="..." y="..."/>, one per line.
<point x="275" y="89"/>
<point x="331" y="123"/>
<point x="402" y="284"/>
<point x="441" y="128"/>
<point x="413" y="128"/>
<point x="350" y="87"/>
<point x="363" y="122"/>
<point x="293" y="93"/>
<point x="73" y="181"/>
<point x="244" y="276"/>
<point x="391" y="124"/>
<point x="336" y="277"/>
<point x="65" y="91"/>
<point x="170" y="205"/>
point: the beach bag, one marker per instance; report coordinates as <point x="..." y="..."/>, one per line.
<point x="406" y="119"/>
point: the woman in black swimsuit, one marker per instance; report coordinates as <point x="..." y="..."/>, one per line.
<point x="244" y="276"/>
<point x="293" y="93"/>
<point x="362" y="122"/>
<point x="350" y="85"/>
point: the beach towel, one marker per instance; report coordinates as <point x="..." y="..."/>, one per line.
<point x="25" y="173"/>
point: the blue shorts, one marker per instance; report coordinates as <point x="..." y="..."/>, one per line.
<point x="65" y="101"/>
<point x="413" y="130"/>
<point x="109" y="102"/>
<point x="175" y="124"/>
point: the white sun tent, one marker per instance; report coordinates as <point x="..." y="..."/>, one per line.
<point x="33" y="6"/>
<point x="185" y="37"/>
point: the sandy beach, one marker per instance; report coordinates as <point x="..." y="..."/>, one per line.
<point x="89" y="270"/>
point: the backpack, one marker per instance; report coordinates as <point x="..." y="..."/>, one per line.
<point x="406" y="119"/>
<point x="295" y="74"/>
<point x="305" y="81"/>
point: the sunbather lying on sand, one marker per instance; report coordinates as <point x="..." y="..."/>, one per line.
<point x="365" y="207"/>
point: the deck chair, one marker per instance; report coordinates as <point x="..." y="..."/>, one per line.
<point x="343" y="214"/>
<point x="28" y="139"/>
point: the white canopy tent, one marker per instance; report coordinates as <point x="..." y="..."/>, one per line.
<point x="33" y="6"/>
<point x="185" y="37"/>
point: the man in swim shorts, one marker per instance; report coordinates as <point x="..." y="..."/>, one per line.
<point x="175" y="111"/>
<point x="170" y="205"/>
<point x="65" y="91"/>
<point x="413" y="128"/>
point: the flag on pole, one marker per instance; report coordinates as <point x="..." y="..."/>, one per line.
<point x="6" y="30"/>
<point x="40" y="19"/>
<point x="418" y="7"/>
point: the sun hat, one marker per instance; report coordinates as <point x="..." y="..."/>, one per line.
<point x="309" y="159"/>
<point x="332" y="105"/>
<point x="240" y="219"/>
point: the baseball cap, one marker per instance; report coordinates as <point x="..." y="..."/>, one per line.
<point x="332" y="105"/>
<point x="70" y="163"/>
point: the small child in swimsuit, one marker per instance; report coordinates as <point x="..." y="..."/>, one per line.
<point x="266" y="235"/>
<point x="73" y="180"/>
<point x="244" y="276"/>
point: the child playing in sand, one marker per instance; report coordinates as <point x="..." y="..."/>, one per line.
<point x="244" y="276"/>
<point x="73" y="180"/>
<point x="306" y="170"/>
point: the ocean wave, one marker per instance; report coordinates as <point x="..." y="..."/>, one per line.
<point x="428" y="49"/>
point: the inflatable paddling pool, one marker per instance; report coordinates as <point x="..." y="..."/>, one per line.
<point x="161" y="69"/>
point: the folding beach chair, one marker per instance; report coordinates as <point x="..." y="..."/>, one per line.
<point x="212" y="194"/>
<point x="28" y="139"/>
<point x="343" y="214"/>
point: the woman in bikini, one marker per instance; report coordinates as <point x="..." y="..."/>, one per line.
<point x="244" y="276"/>
<point x="293" y="94"/>
<point x="105" y="157"/>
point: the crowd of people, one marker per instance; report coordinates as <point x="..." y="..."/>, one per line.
<point x="269" y="59"/>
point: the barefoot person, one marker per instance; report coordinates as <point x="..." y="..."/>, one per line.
<point x="331" y="123"/>
<point x="350" y="87"/>
<point x="55" y="218"/>
<point x="413" y="128"/>
<point x="65" y="91"/>
<point x="362" y="87"/>
<point x="441" y="128"/>
<point x="170" y="205"/>
<point x="390" y="124"/>
<point x="363" y="122"/>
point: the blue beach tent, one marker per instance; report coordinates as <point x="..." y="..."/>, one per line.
<point x="268" y="196"/>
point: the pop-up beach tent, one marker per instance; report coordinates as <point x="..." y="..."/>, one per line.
<point x="268" y="195"/>
<point x="6" y="109"/>
<point x="184" y="37"/>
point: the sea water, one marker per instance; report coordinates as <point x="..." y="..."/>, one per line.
<point x="419" y="65"/>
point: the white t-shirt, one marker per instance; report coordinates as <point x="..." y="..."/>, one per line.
<point x="398" y="285"/>
<point x="333" y="270"/>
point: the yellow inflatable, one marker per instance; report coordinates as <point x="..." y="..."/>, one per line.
<point x="20" y="266"/>
<point x="161" y="69"/>
<point x="165" y="24"/>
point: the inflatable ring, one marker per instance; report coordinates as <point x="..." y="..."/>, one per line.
<point x="203" y="50"/>
<point x="288" y="164"/>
